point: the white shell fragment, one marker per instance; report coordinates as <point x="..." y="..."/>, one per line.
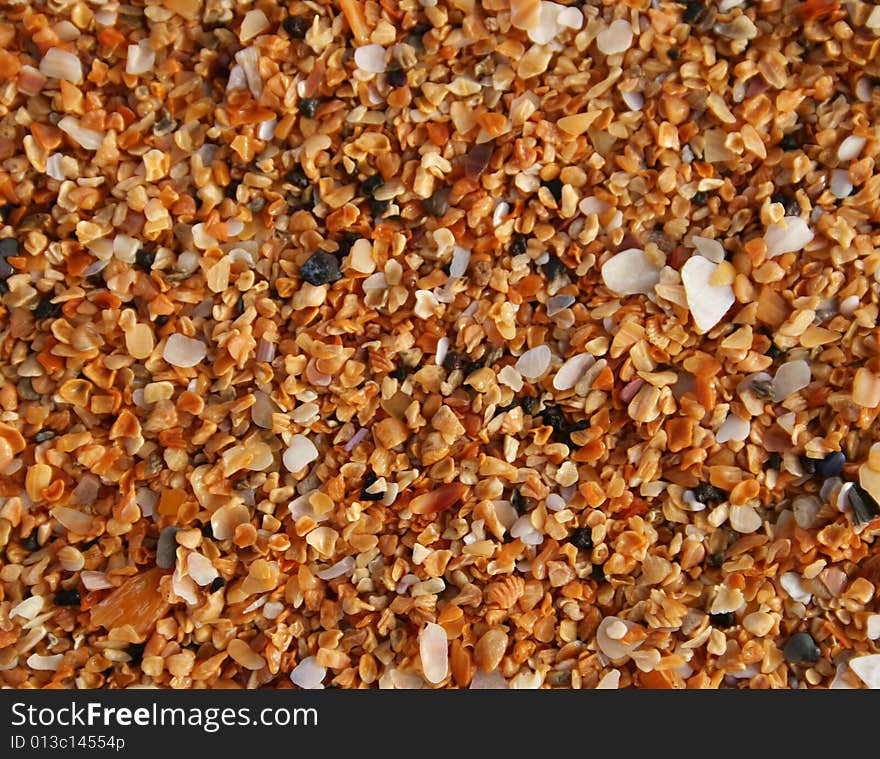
<point x="609" y="634"/>
<point x="559" y="303"/>
<point x="45" y="663"/>
<point x="308" y="674"/>
<point x="744" y="519"/>
<point x="525" y="531"/>
<point x="340" y="568"/>
<point x="254" y="23"/>
<point x="707" y="302"/>
<point x="442" y="350"/>
<point x="840" y="185"/>
<point x="370" y="58"/>
<point x="733" y="428"/>
<point x="791" y="235"/>
<point x="534" y="362"/>
<point x="488" y="681"/>
<point x="610" y="681"/>
<point x="511" y="377"/>
<point x="790" y="377"/>
<point x="630" y="273"/>
<point x="434" y="652"/>
<point x="90" y="139"/>
<point x="461" y="257"/>
<point x="140" y="58"/>
<point x="617" y="38"/>
<point x="868" y="669"/>
<point x="850" y="148"/>
<point x="793" y="585"/>
<point x="553" y="18"/>
<point x="572" y="370"/>
<point x="805" y="509"/>
<point x="708" y="248"/>
<point x="200" y="569"/>
<point x="300" y="453"/>
<point x="59" y="64"/>
<point x="183" y="351"/>
<point x="28" y="609"/>
<point x="635" y="101"/>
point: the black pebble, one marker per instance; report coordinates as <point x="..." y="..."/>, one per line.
<point x="801" y="649"/>
<point x="30" y="542"/>
<point x="774" y="351"/>
<point x="555" y="187"/>
<point x="43" y="435"/>
<point x="378" y="207"/>
<point x="519" y="501"/>
<point x="8" y="247"/>
<point x="452" y="361"/>
<point x="831" y="465"/>
<point x="46" y="308"/>
<point x="788" y="202"/>
<point x="296" y="26"/>
<point x="865" y="508"/>
<point x="348" y="239"/>
<point x="725" y="619"/>
<point x="396" y="78"/>
<point x="298" y="179"/>
<point x="716" y="559"/>
<point x="68" y="597"/>
<point x="774" y="461"/>
<point x="673" y="53"/>
<point x="553" y="417"/>
<point x="598" y="573"/>
<point x="308" y="107"/>
<point x="700" y="198"/>
<point x="369" y="479"/>
<point x="582" y="538"/>
<point x="217" y="583"/>
<point x="528" y="404"/>
<point x="519" y="244"/>
<point x="438" y="203"/>
<point x="371" y="184"/>
<point x="162" y="320"/>
<point x="707" y="493"/>
<point x="808" y="465"/>
<point x="231" y="190"/>
<point x="789" y="142"/>
<point x="420" y="30"/>
<point x="553" y="268"/>
<point x="320" y="269"/>
<point x="693" y="11"/>
<point x="400" y="372"/>
<point x="565" y="435"/>
<point x="6" y="211"/>
<point x="136" y="652"/>
<point x="145" y="258"/>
